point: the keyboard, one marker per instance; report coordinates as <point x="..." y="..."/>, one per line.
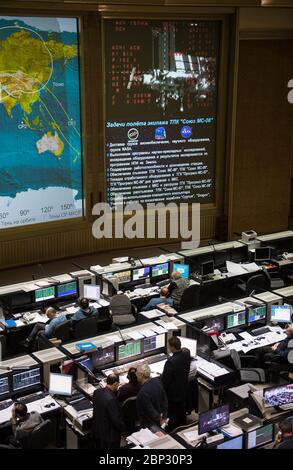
<point x="33" y="397"/>
<point x="5" y="404"/>
<point x="163" y="283"/>
<point x="82" y="404"/>
<point x="260" y="331"/>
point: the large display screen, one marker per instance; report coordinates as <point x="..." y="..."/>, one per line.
<point x="41" y="151"/>
<point x="161" y="94"/>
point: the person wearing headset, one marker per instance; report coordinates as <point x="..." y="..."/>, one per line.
<point x="85" y="310"/>
<point x="131" y="388"/>
<point x="284" y="438"/>
<point x="23" y="423"/>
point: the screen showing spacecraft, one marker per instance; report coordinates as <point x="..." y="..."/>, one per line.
<point x="161" y="103"/>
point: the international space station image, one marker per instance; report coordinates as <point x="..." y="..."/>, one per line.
<point x="174" y="75"/>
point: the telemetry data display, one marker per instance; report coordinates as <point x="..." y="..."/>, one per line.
<point x="69" y="288"/>
<point x="257" y="313"/>
<point x="41" y="151"/>
<point x="161" y="105"/>
<point x="236" y="319"/>
<point x="26" y="379"/>
<point x="160" y="270"/>
<point x="4" y="386"/>
<point x="129" y="350"/>
<point x="44" y="294"/>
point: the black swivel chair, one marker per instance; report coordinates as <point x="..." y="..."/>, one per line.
<point x="190" y="298"/>
<point x="278" y="366"/>
<point x="62" y="332"/>
<point x="41" y="437"/>
<point x="85" y="327"/>
<point x="129" y="415"/>
<point x="258" y="283"/>
<point x="247" y="374"/>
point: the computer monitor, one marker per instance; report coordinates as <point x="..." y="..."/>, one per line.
<point x="235" y="319"/>
<point x="60" y="384"/>
<point x="159" y="270"/>
<point x="129" y="349"/>
<point x="4" y="386"/>
<point x="221" y="256"/>
<point x="262" y="254"/>
<point x="67" y="289"/>
<point x="87" y="363"/>
<point x="46" y="293"/>
<point x="103" y="356"/>
<point x="213" y="419"/>
<point x="278" y="396"/>
<point x="235" y="443"/>
<point x="141" y="273"/>
<point x="207" y="268"/>
<point x="92" y="292"/>
<point x="183" y="269"/>
<point x="260" y="436"/>
<point x="20" y="299"/>
<point x="215" y="323"/>
<point x="154" y="342"/>
<point x="190" y="344"/>
<point x="205" y="343"/>
<point x="255" y="314"/>
<point x="123" y="276"/>
<point x="26" y="379"/>
<point x="239" y="254"/>
<point x="281" y="313"/>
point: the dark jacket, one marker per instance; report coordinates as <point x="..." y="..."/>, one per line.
<point x="282" y="349"/>
<point x="175" y="377"/>
<point x="107" y="423"/>
<point x="127" y="391"/>
<point x="287" y="443"/>
<point x="152" y="403"/>
<point x="176" y="289"/>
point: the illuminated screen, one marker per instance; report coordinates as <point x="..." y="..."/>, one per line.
<point x="123" y="276"/>
<point x="141" y="273"/>
<point x="160" y="270"/>
<point x="257" y="313"/>
<point x="26" y="379"/>
<point x="281" y="313"/>
<point x="129" y="350"/>
<point x="103" y="356"/>
<point x="277" y="396"/>
<point x="260" y="436"/>
<point x="183" y="269"/>
<point x="41" y="151"/>
<point x="69" y="288"/>
<point x="45" y="294"/>
<point x="163" y="76"/>
<point x="235" y="319"/>
<point x="213" y="419"/>
<point x="4" y="385"/>
<point x="235" y="443"/>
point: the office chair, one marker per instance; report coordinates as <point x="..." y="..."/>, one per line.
<point x="40" y="437"/>
<point x="258" y="283"/>
<point x="247" y="374"/>
<point x="274" y="279"/>
<point x="122" y="311"/>
<point x="85" y="328"/>
<point x="62" y="333"/>
<point x="190" y="298"/>
<point x="277" y="365"/>
<point x="104" y="321"/>
<point x="129" y="415"/>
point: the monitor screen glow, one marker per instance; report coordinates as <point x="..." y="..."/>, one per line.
<point x="92" y="292"/>
<point x="183" y="269"/>
<point x="60" y="384"/>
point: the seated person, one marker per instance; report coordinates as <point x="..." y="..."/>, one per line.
<point x="121" y="310"/>
<point x="48" y="329"/>
<point x="284" y="438"/>
<point x="163" y="299"/>
<point x="85" y="310"/>
<point x="278" y="352"/>
<point x="23" y="423"/>
<point x="130" y="389"/>
<point x="176" y="287"/>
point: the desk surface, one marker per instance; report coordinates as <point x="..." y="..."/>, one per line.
<point x="275" y="236"/>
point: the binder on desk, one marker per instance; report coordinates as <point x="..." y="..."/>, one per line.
<point x="86" y="346"/>
<point x="10" y="323"/>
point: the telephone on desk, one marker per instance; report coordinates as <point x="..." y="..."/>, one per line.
<point x="29" y="317"/>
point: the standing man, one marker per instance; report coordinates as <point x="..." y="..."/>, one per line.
<point x="175" y="382"/>
<point x="152" y="403"/>
<point x="107" y="422"/>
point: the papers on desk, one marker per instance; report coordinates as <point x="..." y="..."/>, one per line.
<point x="245" y="335"/>
<point x="192" y="437"/>
<point x="235" y="268"/>
<point x="30" y="287"/>
<point x="72" y="310"/>
<point x="135" y="335"/>
<point x="44" y="283"/>
<point x="159" y="329"/>
<point x="152" y="313"/>
<point x="147" y="333"/>
<point x="142" y="437"/>
<point x="103" y="302"/>
<point x="157" y="367"/>
<point x="168" y="325"/>
<point x="250" y="267"/>
<point x="231" y="430"/>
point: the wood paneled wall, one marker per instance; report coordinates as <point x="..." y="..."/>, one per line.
<point x="264" y="130"/>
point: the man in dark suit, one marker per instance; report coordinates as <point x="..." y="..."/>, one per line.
<point x="175" y="382"/>
<point x="284" y="438"/>
<point x="151" y="401"/>
<point x="107" y="422"/>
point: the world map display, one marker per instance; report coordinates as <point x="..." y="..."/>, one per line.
<point x="40" y="151"/>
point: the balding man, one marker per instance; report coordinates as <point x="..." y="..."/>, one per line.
<point x="176" y="288"/>
<point x="47" y="329"/>
<point x="163" y="299"/>
<point x="152" y="402"/>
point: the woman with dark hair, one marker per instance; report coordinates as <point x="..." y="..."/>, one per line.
<point x="131" y="388"/>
